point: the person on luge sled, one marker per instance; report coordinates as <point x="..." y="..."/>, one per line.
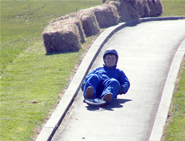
<point x="106" y="82"/>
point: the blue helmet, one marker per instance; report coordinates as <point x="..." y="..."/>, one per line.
<point x="110" y="51"/>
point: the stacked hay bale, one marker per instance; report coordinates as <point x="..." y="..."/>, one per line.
<point x="106" y="15"/>
<point x="125" y="10"/>
<point x="63" y="36"/>
<point x="155" y="7"/>
<point x="158" y="7"/>
<point x="73" y="17"/>
<point x="130" y="9"/>
<point x="141" y="7"/>
<point x="146" y="8"/>
<point x="89" y="22"/>
<point x="66" y="33"/>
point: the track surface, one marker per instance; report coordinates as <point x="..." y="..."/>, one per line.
<point x="145" y="52"/>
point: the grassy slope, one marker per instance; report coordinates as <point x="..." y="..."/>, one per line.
<point x="23" y="22"/>
<point x="173" y="7"/>
<point x="30" y="80"/>
<point x="176" y="125"/>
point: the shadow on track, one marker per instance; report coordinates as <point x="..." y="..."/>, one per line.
<point x="116" y="103"/>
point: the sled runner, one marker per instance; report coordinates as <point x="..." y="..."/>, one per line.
<point x="95" y="101"/>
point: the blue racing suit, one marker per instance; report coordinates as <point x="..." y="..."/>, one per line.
<point x="105" y="80"/>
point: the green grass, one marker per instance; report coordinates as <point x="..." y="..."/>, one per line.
<point x="175" y="129"/>
<point x="31" y="82"/>
<point x="23" y="22"/>
<point x="176" y="126"/>
<point x="173" y="8"/>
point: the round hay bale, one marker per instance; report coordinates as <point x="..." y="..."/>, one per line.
<point x="106" y="15"/>
<point x="61" y="37"/>
<point x="89" y="22"/>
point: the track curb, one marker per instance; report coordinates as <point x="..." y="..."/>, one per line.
<point x="167" y="94"/>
